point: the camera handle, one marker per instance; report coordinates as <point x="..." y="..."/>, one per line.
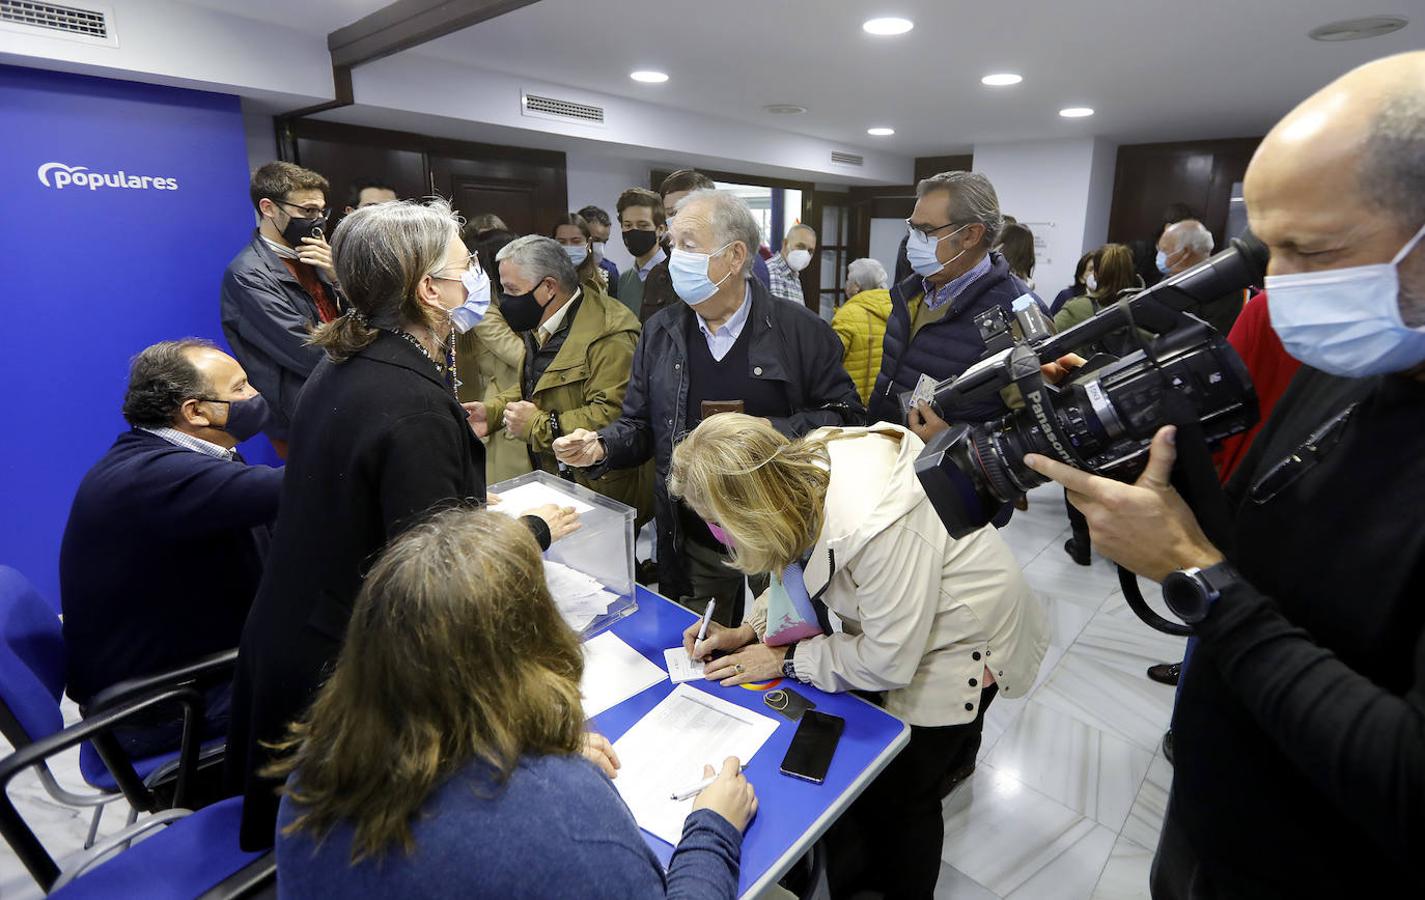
<point x="1195" y="478"/>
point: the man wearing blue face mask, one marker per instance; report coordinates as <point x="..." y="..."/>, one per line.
<point x="957" y="276"/>
<point x="1299" y="729"/>
<point x="1184" y="244"/>
<point x="729" y="346"/>
<point x="165" y="540"/>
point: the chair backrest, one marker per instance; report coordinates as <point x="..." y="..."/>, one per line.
<point x="32" y="662"/>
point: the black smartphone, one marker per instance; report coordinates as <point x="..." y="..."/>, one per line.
<point x="809" y="755"/>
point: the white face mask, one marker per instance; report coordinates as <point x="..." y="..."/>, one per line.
<point x="599" y="248"/>
<point x="798" y="260"/>
<point x="689" y="273"/>
<point x="1090" y="282"/>
<point x="1347" y="321"/>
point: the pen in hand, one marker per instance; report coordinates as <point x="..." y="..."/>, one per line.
<point x="703" y="629"/>
<point x="694" y="790"/>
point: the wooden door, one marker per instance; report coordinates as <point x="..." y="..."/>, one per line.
<point x="527" y="194"/>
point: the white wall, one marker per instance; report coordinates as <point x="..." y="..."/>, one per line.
<point x="1061" y="190"/>
<point x="261" y="138"/>
<point x="886" y="237"/>
<point x="598" y="179"/>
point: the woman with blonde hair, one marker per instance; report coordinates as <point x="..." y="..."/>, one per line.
<point x="932" y="627"/>
<point x="447" y="754"/>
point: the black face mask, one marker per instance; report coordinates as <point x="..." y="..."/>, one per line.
<point x="521" y="311"/>
<point x="246" y="417"/>
<point x="639" y="242"/>
<point x="298" y="228"/>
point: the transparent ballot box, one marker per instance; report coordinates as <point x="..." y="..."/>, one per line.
<point x="590" y="572"/>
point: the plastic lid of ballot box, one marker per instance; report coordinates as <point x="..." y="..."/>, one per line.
<point x="600" y="551"/>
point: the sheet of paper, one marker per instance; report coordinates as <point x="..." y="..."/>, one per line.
<point x="580" y="598"/>
<point x="613" y="672"/>
<point x="664" y="753"/>
<point x="518" y="501"/>
<point x="680" y="667"/>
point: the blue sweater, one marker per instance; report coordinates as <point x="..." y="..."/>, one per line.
<point x="557" y="828"/>
<point x="160" y="559"/>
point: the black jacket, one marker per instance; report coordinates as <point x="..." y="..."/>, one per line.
<point x="789" y="343"/>
<point x="267" y="316"/>
<point x="160" y="560"/>
<point x="940" y="349"/>
<point x="1299" y="730"/>
<point x="378" y="441"/>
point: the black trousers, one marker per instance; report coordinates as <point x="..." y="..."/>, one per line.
<point x="890" y="839"/>
<point x="1177" y="874"/>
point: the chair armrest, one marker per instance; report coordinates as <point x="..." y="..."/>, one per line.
<point x="14" y="828"/>
<point x="212" y="664"/>
<point x="257" y="878"/>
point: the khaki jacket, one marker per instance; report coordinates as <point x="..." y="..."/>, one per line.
<point x="489" y="358"/>
<point x="585" y="385"/>
<point x="923" y="614"/>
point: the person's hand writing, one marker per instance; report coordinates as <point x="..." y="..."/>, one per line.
<point x="1146" y="527"/>
<point x="581" y="448"/>
<point x="730" y="796"/>
<point x="719" y="638"/>
<point x="477" y="416"/>
<point x="600" y="752"/>
<point x="317" y="252"/>
<point x="562" y="520"/>
<point x="517" y="417"/>
<point x="757" y="662"/>
<point x="922" y="420"/>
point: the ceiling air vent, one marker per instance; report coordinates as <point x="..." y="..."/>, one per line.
<point x="847" y="159"/>
<point x="70" y="19"/>
<point x="560" y="110"/>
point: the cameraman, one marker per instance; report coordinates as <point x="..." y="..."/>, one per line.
<point x="1300" y="722"/>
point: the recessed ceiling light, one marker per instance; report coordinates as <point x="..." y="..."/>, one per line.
<point x="648" y="76"/>
<point x="784" y="109"/>
<point x="881" y="132"/>
<point x="1002" y="79"/>
<point x="1076" y="112"/>
<point x="1355" y="29"/>
<point x="888" y="25"/>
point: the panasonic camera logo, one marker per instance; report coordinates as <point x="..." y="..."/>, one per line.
<point x="60" y="176"/>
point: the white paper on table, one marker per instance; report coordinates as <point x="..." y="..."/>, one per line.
<point x="664" y="753"/>
<point x="680" y="667"/>
<point x="518" y="501"/>
<point x="613" y="672"/>
<point x="579" y="597"/>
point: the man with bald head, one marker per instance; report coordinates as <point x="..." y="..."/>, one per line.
<point x="1300" y="720"/>
<point x="785" y="267"/>
<point x="727" y="346"/>
<point x="1183" y="245"/>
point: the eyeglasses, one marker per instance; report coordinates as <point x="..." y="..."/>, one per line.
<point x="307" y="212"/>
<point x="926" y="230"/>
<point x="472" y="260"/>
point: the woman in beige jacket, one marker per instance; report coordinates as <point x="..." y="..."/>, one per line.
<point x="931" y="627"/>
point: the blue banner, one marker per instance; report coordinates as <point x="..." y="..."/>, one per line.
<point x="123" y="204"/>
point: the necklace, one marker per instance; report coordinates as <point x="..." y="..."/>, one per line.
<point x="447" y="371"/>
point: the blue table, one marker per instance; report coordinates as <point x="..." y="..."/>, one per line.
<point x="791" y="813"/>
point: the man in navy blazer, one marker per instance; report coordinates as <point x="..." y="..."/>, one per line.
<point x="164" y="545"/>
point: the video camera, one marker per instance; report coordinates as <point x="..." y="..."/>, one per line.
<point x="1102" y="417"/>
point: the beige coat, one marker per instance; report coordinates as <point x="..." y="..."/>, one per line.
<point x="490" y="357"/>
<point x="923" y="614"/>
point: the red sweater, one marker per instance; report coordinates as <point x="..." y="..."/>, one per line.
<point x="1271" y="368"/>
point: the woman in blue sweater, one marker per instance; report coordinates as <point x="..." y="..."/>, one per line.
<point x="447" y="754"/>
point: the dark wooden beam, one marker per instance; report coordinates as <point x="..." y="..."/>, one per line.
<point x="409" y="23"/>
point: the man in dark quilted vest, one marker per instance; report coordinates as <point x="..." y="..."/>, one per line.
<point x="932" y="328"/>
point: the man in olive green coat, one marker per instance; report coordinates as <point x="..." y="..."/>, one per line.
<point x="579" y="345"/>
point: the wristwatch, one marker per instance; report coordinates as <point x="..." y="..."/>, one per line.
<point x="1190" y="593"/>
<point x="789" y="669"/>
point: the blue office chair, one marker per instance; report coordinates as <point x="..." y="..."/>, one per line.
<point x="32" y="667"/>
<point x="195" y="854"/>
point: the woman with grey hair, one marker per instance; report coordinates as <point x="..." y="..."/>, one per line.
<point x="378" y="441"/>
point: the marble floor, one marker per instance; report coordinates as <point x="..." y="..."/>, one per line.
<point x="1069" y="793"/>
<point x="1071" y="785"/>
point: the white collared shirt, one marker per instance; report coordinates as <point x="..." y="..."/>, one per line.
<point x="189" y="442"/>
<point x="551" y="327"/>
<point x="720" y="343"/>
<point x="657" y="257"/>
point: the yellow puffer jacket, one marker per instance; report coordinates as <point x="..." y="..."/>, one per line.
<point x="861" y="325"/>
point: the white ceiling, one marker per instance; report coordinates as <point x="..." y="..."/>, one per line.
<point x="1155" y="70"/>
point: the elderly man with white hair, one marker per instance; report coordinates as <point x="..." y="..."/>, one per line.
<point x="1185" y="244"/>
<point x="861" y="322"/>
<point x="730" y="346"/>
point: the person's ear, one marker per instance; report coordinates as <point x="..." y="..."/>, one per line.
<point x="428" y="293"/>
<point x="193" y="413"/>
